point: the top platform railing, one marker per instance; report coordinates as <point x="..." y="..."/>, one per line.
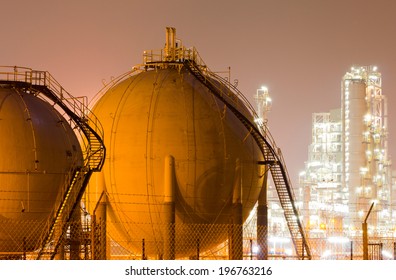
<point x="175" y="55"/>
<point x="181" y="54"/>
<point x="44" y="78"/>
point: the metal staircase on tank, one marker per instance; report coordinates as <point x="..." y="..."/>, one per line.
<point x="227" y="93"/>
<point x="41" y="83"/>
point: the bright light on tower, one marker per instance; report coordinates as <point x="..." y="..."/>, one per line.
<point x="264" y="102"/>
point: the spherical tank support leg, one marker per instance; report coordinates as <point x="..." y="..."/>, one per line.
<point x="100" y="232"/>
<point x="169" y="209"/>
<point x="236" y="238"/>
<point x="262" y="220"/>
<point x="75" y="235"/>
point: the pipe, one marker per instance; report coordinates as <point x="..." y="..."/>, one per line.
<point x="170" y="43"/>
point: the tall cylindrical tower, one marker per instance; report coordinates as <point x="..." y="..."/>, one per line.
<point x="367" y="167"/>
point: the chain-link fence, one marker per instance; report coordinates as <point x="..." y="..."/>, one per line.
<point x="109" y="240"/>
<point x="344" y="248"/>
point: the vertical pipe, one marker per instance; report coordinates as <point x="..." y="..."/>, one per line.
<point x="262" y="219"/>
<point x="170" y="44"/>
<point x="173" y="43"/>
<point x="167" y="42"/>
<point x="169" y="208"/>
<point x="236" y="241"/>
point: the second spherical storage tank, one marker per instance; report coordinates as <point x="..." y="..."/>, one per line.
<point x="38" y="150"/>
<point x="168" y="112"/>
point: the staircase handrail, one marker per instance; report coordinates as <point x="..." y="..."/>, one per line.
<point x="209" y="77"/>
<point x="76" y="107"/>
<point x="44" y="83"/>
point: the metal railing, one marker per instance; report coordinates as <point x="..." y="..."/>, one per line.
<point x="77" y="106"/>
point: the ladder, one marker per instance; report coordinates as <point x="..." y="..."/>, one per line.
<point x="93" y="161"/>
<point x="227" y="93"/>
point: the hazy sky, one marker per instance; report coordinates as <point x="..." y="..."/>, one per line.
<point x="299" y="49"/>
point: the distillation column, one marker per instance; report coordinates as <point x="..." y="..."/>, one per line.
<point x="354" y="109"/>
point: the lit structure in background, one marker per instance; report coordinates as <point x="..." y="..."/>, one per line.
<point x="277" y="227"/>
<point x="279" y="242"/>
<point x="367" y="168"/>
<point x="264" y="103"/>
<point x="324" y="200"/>
<point x="348" y="166"/>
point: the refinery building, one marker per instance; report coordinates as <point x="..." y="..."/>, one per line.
<point x="348" y="167"/>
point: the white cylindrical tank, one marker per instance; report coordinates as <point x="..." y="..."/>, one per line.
<point x="38" y="149"/>
<point x="355" y="150"/>
<point x="168" y="112"/>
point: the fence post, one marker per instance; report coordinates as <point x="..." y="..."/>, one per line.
<point x="251" y="249"/>
<point x="351" y="250"/>
<point x="365" y="237"/>
<point x="365" y="241"/>
<point x="381" y="257"/>
<point x="24" y="248"/>
<point x="198" y="249"/>
<point x="143" y="250"/>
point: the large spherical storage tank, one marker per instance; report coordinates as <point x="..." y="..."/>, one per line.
<point x="38" y="149"/>
<point x="166" y="112"/>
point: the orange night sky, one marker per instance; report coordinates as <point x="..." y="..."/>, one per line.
<point x="299" y="49"/>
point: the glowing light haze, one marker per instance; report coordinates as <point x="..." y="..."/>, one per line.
<point x="299" y="49"/>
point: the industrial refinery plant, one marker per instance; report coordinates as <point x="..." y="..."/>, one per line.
<point x="347" y="179"/>
<point x="168" y="164"/>
<point x="170" y="161"/>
